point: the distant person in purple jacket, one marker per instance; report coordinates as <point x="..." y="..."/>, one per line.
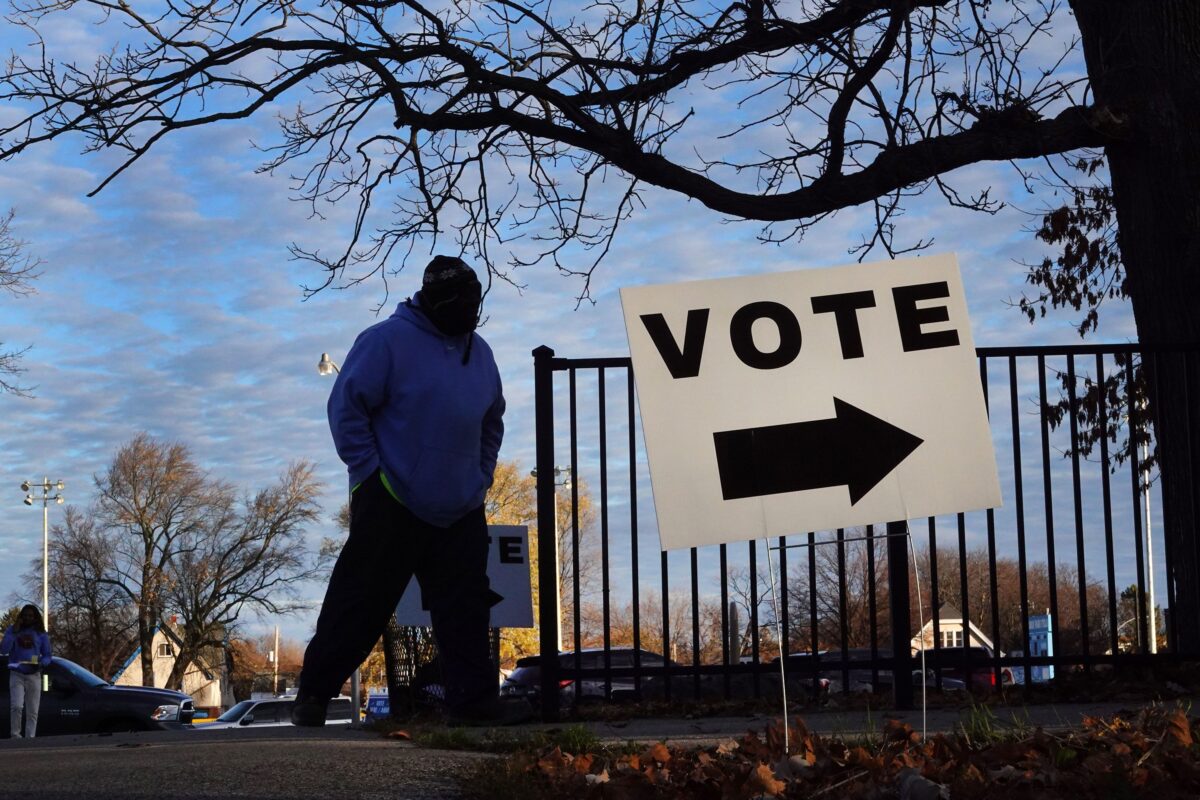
<point x="416" y="414"/>
<point x="26" y="645"/>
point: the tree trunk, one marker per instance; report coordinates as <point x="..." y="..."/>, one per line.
<point x="1143" y="59"/>
<point x="183" y="660"/>
<point x="146" y="640"/>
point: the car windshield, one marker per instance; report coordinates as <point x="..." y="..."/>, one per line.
<point x="81" y="675"/>
<point x="235" y="713"/>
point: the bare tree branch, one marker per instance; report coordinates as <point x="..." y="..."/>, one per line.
<point x="418" y="117"/>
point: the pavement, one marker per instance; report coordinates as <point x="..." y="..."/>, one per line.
<point x="287" y="763"/>
<point x="283" y="763"/>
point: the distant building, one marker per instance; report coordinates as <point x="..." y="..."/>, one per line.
<point x="209" y="687"/>
<point x="951" y="632"/>
<point x="1041" y="643"/>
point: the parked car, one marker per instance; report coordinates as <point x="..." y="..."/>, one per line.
<point x="804" y="674"/>
<point x="948" y="684"/>
<point x="950" y="662"/>
<point x="76" y="701"/>
<point x="855" y="678"/>
<point x="526" y="678"/>
<point x="858" y="678"/>
<point x="274" y="712"/>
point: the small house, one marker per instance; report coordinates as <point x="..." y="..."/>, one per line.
<point x="208" y="686"/>
<point x="952" y="632"/>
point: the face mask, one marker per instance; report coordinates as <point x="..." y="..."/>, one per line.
<point x="453" y="309"/>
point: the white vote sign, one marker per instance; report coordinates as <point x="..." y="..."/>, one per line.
<point x="809" y="400"/>
<point x="508" y="574"/>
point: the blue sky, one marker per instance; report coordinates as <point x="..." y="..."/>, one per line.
<point x="169" y="304"/>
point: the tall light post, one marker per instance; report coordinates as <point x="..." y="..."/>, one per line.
<point x="327" y="366"/>
<point x="565" y="473"/>
<point x="1149" y="557"/>
<point x="1153" y="626"/>
<point x="46" y="486"/>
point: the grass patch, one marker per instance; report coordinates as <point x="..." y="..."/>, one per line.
<point x="576" y="738"/>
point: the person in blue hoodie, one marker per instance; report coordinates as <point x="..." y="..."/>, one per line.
<point x="416" y="414"/>
<point x="27" y="648"/>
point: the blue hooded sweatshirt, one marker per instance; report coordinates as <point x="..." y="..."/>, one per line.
<point x="26" y="648"/>
<point x="424" y="408"/>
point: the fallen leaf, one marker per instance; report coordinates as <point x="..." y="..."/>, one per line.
<point x="809" y="750"/>
<point x="551" y="763"/>
<point x="895" y="730"/>
<point x="726" y="747"/>
<point x="402" y="735"/>
<point x="583" y="763"/>
<point x="600" y="777"/>
<point x="762" y="781"/>
<point x="859" y="757"/>
<point x="1179" y="729"/>
<point x="775" y="733"/>
<point x="972" y="774"/>
<point x="659" y="752"/>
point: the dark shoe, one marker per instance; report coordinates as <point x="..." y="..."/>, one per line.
<point x="309" y="712"/>
<point x="495" y="711"/>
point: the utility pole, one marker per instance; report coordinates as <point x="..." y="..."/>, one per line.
<point x="46" y="486"/>
<point x="275" y="658"/>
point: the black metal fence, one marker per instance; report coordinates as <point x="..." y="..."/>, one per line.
<point x="1076" y="546"/>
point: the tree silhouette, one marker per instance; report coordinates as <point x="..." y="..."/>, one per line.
<point x="486" y="120"/>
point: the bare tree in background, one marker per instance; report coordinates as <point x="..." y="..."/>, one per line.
<point x="864" y="565"/>
<point x="177" y="542"/>
<point x="150" y="501"/>
<point x="676" y="645"/>
<point x="17" y="272"/>
<point x="95" y="622"/>
<point x="249" y="556"/>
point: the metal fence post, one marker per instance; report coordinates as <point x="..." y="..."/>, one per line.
<point x="548" y="610"/>
<point x="901" y="614"/>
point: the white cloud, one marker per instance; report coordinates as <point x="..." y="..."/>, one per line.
<point x="169" y="305"/>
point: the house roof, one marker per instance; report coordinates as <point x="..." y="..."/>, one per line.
<point x="949" y="614"/>
<point x="947" y="611"/>
<point x="174" y="637"/>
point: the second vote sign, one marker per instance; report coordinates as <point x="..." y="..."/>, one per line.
<point x="809" y="400"/>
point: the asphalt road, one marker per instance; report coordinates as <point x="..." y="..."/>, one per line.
<point x="274" y="764"/>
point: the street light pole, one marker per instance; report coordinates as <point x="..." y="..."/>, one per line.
<point x="1149" y="560"/>
<point x="46" y="486"/>
<point x="566" y="484"/>
<point x="327" y="366"/>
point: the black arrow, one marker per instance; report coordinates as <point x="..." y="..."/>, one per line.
<point x="855" y="449"/>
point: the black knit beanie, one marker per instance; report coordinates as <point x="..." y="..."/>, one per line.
<point x="450" y="297"/>
<point x="447" y="270"/>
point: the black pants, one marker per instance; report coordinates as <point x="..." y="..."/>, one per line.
<point x="386" y="547"/>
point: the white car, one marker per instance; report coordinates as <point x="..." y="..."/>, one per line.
<point x="273" y="712"/>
